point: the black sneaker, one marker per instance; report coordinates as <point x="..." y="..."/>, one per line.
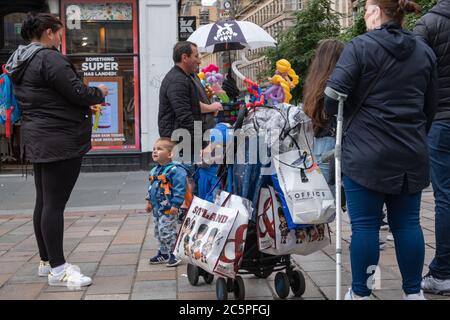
<point x="159" y="258"/>
<point x="173" y="262"/>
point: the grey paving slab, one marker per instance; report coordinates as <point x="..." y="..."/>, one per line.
<point x="255" y="287"/>
<point x="13" y="238"/>
<point x="111" y="285"/>
<point x="115" y="271"/>
<point x="20" y="291"/>
<point x="124" y="248"/>
<point x="185" y="286"/>
<point x="74" y="295"/>
<point x="107" y="297"/>
<point x="14" y="255"/>
<point x="154" y="290"/>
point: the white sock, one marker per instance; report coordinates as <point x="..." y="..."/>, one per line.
<point x="58" y="269"/>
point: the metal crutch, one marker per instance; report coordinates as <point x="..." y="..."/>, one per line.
<point x="340" y="97"/>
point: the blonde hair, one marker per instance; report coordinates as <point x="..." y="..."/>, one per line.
<point x="167" y="142"/>
<point x="284" y="67"/>
<point x="279" y="80"/>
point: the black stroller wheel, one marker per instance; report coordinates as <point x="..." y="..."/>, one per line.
<point x="298" y="284"/>
<point x="209" y="278"/>
<point x="239" y="288"/>
<point x="221" y="289"/>
<point x="193" y="274"/>
<point x="282" y="285"/>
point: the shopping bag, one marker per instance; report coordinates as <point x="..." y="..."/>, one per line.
<point x="204" y="232"/>
<point x="233" y="252"/>
<point x="302" y="241"/>
<point x="265" y="224"/>
<point x="306" y="191"/>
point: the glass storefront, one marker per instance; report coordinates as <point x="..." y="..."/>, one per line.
<point x="11" y="31"/>
<point x="101" y="41"/>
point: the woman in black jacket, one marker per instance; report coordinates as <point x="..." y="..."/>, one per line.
<point x="384" y="151"/>
<point x="55" y="134"/>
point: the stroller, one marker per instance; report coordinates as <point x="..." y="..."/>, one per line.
<point x="247" y="181"/>
<point x="259" y="264"/>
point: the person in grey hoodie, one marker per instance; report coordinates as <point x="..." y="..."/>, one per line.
<point x="434" y="28"/>
<point x="55" y="134"/>
<point x="390" y="78"/>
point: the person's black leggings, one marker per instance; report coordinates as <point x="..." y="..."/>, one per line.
<point x="54" y="183"/>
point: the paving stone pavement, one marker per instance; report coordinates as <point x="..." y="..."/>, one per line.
<point x="113" y="246"/>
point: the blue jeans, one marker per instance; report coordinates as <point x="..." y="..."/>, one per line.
<point x="322" y="145"/>
<point x="439" y="148"/>
<point x="365" y="211"/>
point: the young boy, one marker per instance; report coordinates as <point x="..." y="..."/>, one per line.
<point x="165" y="196"/>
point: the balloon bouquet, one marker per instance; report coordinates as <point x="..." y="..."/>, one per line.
<point x="282" y="82"/>
<point x="212" y="80"/>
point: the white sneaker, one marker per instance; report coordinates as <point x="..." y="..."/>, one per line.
<point x="351" y="296"/>
<point x="44" y="268"/>
<point x="435" y="286"/>
<point x="70" y="277"/>
<point x="414" y="296"/>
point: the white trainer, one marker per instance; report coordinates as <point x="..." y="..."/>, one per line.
<point x="70" y="277"/>
<point x="351" y="296"/>
<point x="414" y="296"/>
<point x="44" y="269"/>
<point x="435" y="286"/>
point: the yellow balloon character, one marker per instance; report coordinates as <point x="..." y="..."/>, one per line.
<point x="284" y="69"/>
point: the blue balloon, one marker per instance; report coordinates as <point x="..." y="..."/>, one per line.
<point x="221" y="133"/>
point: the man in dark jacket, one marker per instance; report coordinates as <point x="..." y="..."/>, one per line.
<point x="434" y="28"/>
<point x="179" y="100"/>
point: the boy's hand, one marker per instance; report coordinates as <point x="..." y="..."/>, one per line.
<point x="173" y="210"/>
<point x="148" y="207"/>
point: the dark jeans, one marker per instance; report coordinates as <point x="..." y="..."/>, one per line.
<point x="439" y="148"/>
<point x="365" y="208"/>
<point x="54" y="183"/>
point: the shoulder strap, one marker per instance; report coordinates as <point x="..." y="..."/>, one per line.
<point x="387" y="64"/>
<point x="167" y="169"/>
<point x="152" y="172"/>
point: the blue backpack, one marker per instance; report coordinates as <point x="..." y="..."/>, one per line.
<point x="9" y="109"/>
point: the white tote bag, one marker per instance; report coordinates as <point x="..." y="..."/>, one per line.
<point x="204" y="232"/>
<point x="231" y="257"/>
<point x="302" y="241"/>
<point x="308" y="196"/>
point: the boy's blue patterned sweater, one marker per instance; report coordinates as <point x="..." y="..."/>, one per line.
<point x="167" y="186"/>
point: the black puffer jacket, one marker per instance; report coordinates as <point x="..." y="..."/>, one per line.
<point x="56" y="119"/>
<point x="179" y="103"/>
<point x="386" y="142"/>
<point x="434" y="27"/>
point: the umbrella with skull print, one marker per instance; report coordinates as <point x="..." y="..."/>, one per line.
<point x="231" y="35"/>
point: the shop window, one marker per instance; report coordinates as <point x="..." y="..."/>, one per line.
<point x="101" y="44"/>
<point x="12" y="26"/>
<point x="104" y="28"/>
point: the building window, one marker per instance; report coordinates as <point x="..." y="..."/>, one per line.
<point x="204" y="17"/>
